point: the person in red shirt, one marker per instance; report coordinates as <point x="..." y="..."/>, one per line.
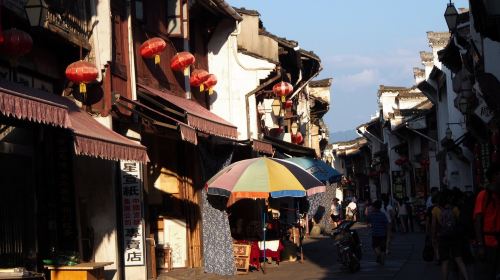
<point x="487" y="225"/>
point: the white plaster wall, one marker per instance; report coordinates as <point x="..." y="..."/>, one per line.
<point x="101" y="35"/>
<point x="238" y="74"/>
<point x="410" y="103"/>
<point x="492" y="57"/>
<point x="433" y="170"/>
<point x="388" y="101"/>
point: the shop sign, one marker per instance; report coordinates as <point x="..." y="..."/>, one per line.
<point x="133" y="231"/>
<point x="483" y="111"/>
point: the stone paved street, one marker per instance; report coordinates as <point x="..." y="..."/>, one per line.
<point x="404" y="263"/>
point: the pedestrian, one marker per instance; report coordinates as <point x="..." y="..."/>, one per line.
<point x="403" y="215"/>
<point x="434" y="192"/>
<point x="378" y="223"/>
<point x="411" y="214"/>
<point x="487" y="225"/>
<point x="445" y="230"/>
<point x="335" y="210"/>
<point x="388" y="210"/>
<point x="351" y="210"/>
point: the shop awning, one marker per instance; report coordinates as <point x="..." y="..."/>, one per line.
<point x="262" y="146"/>
<point x="196" y="115"/>
<point x="90" y="137"/>
<point x="187" y="133"/>
<point x="290" y="148"/>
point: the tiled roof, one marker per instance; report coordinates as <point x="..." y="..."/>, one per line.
<point x="244" y="11"/>
<point x="426" y="56"/>
<point x="321" y="83"/>
<point x="403" y="92"/>
<point x="222" y="7"/>
<point x="418" y="72"/>
<point x="438" y="38"/>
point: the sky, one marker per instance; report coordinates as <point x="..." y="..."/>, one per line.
<point x="362" y="44"/>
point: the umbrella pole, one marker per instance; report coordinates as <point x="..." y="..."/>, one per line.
<point x="300" y="233"/>
<point x="264" y="231"/>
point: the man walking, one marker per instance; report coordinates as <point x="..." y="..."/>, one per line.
<point x="487" y="226"/>
<point x="378" y="222"/>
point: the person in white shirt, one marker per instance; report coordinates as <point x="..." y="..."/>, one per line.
<point x="351" y="210"/>
<point x="335" y="210"/>
<point x="389" y="212"/>
<point x="428" y="203"/>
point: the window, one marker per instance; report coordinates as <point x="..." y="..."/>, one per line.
<point x="177" y="18"/>
<point x="139" y="10"/>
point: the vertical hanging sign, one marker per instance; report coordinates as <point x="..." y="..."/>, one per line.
<point x="133" y="231"/>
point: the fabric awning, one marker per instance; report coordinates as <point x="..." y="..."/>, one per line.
<point x="187" y="133"/>
<point x="196" y="115"/>
<point x="262" y="146"/>
<point x="90" y="137"/>
<point x="290" y="148"/>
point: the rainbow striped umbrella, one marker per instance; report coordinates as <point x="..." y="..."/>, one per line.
<point x="264" y="177"/>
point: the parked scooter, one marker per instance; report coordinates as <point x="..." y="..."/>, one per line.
<point x="348" y="245"/>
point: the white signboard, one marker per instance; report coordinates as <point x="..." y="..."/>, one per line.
<point x="176" y="237"/>
<point x="483" y="111"/>
<point x="133" y="231"/>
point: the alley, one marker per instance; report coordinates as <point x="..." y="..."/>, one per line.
<point x="193" y="139"/>
<point x="404" y="263"/>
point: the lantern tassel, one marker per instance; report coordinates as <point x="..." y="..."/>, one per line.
<point x="202" y="88"/>
<point x="186" y="71"/>
<point x="157" y="59"/>
<point x="210" y="91"/>
<point x="83" y="88"/>
<point x="283" y="99"/>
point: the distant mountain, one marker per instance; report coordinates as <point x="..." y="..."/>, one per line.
<point x="344" y="135"/>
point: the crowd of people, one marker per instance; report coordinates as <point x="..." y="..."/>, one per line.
<point x="461" y="228"/>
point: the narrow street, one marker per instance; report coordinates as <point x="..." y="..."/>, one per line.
<point x="404" y="263"/>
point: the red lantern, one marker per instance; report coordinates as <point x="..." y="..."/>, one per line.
<point x="16" y="43"/>
<point x="299" y="139"/>
<point x="82" y="72"/>
<point x="181" y="62"/>
<point x="282" y="89"/>
<point x="288" y="104"/>
<point x="198" y="77"/>
<point x="152" y="48"/>
<point x="210" y="82"/>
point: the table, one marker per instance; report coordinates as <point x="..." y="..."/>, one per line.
<point x="81" y="271"/>
<point x="256" y="253"/>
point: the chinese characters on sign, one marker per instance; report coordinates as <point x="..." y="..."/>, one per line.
<point x="131" y="180"/>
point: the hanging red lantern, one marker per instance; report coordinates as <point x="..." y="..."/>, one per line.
<point x="181" y="62"/>
<point x="82" y="72"/>
<point x="282" y="89"/>
<point x="288" y="104"/>
<point x="198" y="77"/>
<point x="16" y="43"/>
<point x="152" y="48"/>
<point x="210" y="82"/>
<point x="299" y="139"/>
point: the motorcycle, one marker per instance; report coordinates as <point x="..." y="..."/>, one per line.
<point x="348" y="245"/>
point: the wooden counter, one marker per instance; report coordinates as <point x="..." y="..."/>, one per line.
<point x="81" y="271"/>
